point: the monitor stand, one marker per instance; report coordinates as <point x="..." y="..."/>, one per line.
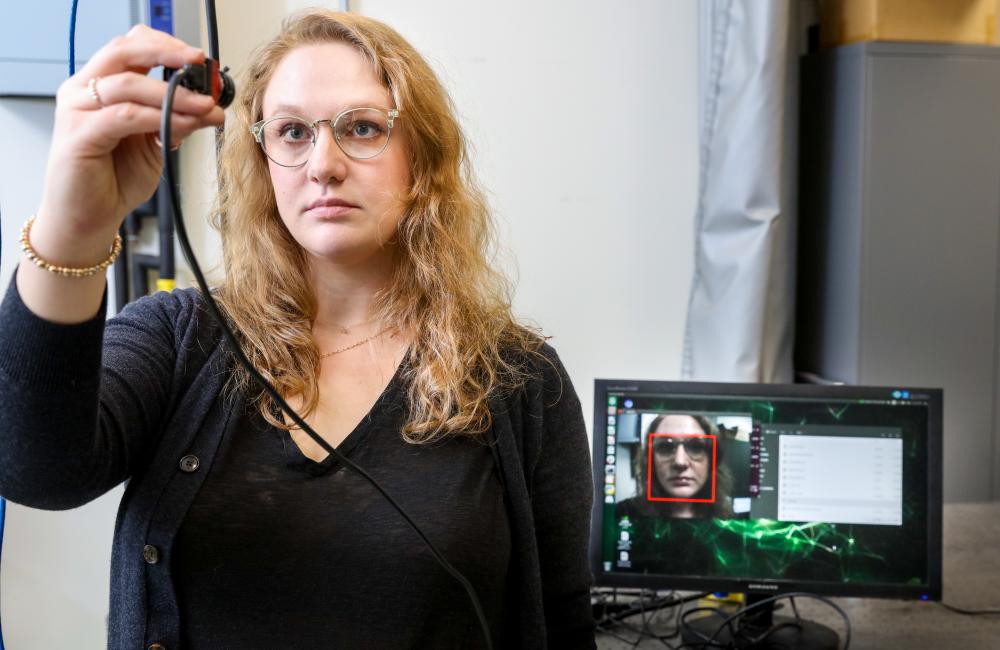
<point x="786" y="633"/>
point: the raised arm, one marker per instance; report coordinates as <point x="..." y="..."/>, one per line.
<point x="103" y="163"/>
<point x="68" y="429"/>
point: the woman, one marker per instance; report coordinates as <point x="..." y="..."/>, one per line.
<point x="355" y="244"/>
<point x="680" y="471"/>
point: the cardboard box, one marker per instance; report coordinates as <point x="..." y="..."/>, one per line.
<point x="943" y="21"/>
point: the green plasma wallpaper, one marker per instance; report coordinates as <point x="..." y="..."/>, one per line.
<point x="765" y="548"/>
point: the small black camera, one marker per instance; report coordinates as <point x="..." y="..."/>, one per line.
<point x="206" y="78"/>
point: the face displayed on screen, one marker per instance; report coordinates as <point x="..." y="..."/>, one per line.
<point x="681" y="461"/>
<point x="738" y="483"/>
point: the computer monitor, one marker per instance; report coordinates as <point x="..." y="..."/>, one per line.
<point x="768" y="488"/>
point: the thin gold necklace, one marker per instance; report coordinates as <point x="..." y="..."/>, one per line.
<point x="346" y="329"/>
<point x="358" y="343"/>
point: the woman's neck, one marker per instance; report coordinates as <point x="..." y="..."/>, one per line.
<point x="683" y="510"/>
<point x="345" y="297"/>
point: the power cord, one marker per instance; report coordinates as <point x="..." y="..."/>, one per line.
<point x="216" y="312"/>
<point x="615" y="613"/>
<point x="727" y="622"/>
<point x="650" y="607"/>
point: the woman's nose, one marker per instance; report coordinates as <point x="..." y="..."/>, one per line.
<point x="681" y="458"/>
<point x="327" y="161"/>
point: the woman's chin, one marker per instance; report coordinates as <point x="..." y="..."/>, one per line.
<point x="347" y="253"/>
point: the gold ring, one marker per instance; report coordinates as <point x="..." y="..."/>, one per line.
<point x="92" y="85"/>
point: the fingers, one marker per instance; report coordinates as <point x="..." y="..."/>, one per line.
<point x="143" y="48"/>
<point x="128" y="118"/>
<point x="111" y="97"/>
<point x="132" y="87"/>
<point x="102" y="159"/>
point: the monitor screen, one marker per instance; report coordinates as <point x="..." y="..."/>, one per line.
<point x="768" y="488"/>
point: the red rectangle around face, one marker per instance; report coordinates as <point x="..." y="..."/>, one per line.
<point x="650" y="470"/>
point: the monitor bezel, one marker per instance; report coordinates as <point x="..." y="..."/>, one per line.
<point x="932" y="396"/>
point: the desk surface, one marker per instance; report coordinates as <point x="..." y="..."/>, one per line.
<point x="971" y="581"/>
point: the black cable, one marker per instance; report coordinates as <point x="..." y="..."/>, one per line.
<point x="665" y="602"/>
<point x="728" y="621"/>
<point x="969" y="612"/>
<point x="182" y="238"/>
<point x="645" y="605"/>
<point x="167" y="273"/>
<point x="213" y="53"/>
<point x="213" y="30"/>
<point x="674" y="629"/>
<point x="656" y="618"/>
<point x="644" y="629"/>
<point x="706" y="642"/>
<point x="753" y="642"/>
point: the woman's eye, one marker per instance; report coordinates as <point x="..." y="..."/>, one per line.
<point x="665" y="448"/>
<point x="294" y="132"/>
<point x="364" y="130"/>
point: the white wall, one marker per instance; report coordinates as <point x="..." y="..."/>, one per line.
<point x="583" y="119"/>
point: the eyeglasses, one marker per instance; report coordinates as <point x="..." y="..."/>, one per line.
<point x="695" y="448"/>
<point x="361" y="133"/>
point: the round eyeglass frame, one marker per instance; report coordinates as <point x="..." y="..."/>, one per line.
<point x="257" y="129"/>
<point x="682" y="440"/>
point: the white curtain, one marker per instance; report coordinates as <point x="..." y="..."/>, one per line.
<point x="740" y="323"/>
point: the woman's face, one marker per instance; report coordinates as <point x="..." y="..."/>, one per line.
<point x="339" y="209"/>
<point x="681" y="462"/>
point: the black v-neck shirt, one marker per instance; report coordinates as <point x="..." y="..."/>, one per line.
<point x="280" y="551"/>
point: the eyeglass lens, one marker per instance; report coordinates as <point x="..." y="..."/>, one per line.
<point x="360" y="133"/>
<point x="693" y="447"/>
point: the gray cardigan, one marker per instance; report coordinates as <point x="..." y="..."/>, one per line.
<point x="72" y="427"/>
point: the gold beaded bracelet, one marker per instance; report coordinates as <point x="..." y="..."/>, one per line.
<point x="65" y="271"/>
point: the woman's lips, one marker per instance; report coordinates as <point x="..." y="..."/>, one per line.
<point x="330" y="211"/>
<point x="330" y="208"/>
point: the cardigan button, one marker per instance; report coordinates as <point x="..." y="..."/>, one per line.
<point x="151" y="554"/>
<point x="190" y="463"/>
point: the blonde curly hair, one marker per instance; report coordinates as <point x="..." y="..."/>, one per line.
<point x="467" y="344"/>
